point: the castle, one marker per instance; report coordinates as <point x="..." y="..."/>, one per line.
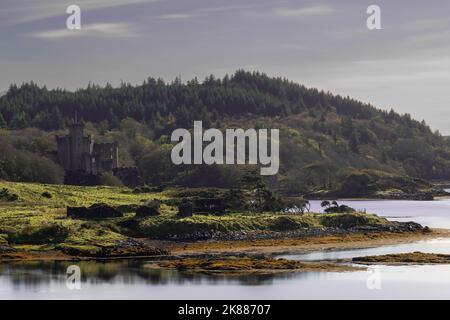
<point x="79" y="153"/>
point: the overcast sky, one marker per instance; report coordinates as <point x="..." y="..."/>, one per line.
<point x="324" y="44"/>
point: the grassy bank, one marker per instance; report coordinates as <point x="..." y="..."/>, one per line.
<point x="36" y="219"/>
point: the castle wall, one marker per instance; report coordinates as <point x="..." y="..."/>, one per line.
<point x="63" y="152"/>
<point x="106" y="156"/>
<point x="79" y="153"/>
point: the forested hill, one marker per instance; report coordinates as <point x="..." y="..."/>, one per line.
<point x="241" y="95"/>
<point x="323" y="136"/>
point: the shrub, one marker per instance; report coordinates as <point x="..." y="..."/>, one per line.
<point x="5" y="195"/>
<point x="349" y="220"/>
<point x="46" y="194"/>
<point x="44" y="234"/>
<point x="284" y="223"/>
<point x="340" y="209"/>
<point x="108" y="179"/>
<point x="3" y="240"/>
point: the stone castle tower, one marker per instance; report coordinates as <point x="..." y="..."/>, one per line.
<point x="77" y="152"/>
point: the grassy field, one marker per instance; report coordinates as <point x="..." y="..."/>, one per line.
<point x="33" y="216"/>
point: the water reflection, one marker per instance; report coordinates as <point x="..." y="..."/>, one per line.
<point x="47" y="281"/>
<point x="32" y="275"/>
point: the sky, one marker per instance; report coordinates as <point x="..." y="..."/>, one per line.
<point x="323" y="44"/>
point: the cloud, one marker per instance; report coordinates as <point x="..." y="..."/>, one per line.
<point x="176" y="16"/>
<point x="438" y="37"/>
<point x="426" y="24"/>
<point x="26" y="11"/>
<point x="105" y="30"/>
<point x="318" y="10"/>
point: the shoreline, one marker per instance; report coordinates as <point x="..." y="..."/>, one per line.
<point x="303" y="245"/>
<point x="267" y="247"/>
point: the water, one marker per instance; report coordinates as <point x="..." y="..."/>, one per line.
<point x="427" y="246"/>
<point x="435" y="214"/>
<point x="132" y="279"/>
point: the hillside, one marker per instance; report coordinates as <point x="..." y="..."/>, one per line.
<point x="324" y="138"/>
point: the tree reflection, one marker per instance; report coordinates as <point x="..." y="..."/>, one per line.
<point x="32" y="275"/>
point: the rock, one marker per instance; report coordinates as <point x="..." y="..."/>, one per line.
<point x="96" y="211"/>
<point x="123" y="248"/>
<point x="214" y="234"/>
<point x="147" y="211"/>
<point x="185" y="209"/>
<point x="6" y="249"/>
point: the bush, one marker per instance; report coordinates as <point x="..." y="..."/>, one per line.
<point x="348" y="221"/>
<point x="108" y="179"/>
<point x="3" y="240"/>
<point x="5" y="195"/>
<point x="340" y="209"/>
<point x="284" y="223"/>
<point x="47" y="195"/>
<point x="44" y="234"/>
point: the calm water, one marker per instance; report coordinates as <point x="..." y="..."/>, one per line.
<point x="133" y="280"/>
<point x="435" y="214"/>
<point x="137" y="280"/>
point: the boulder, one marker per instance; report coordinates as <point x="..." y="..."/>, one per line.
<point x="96" y="211"/>
<point x="185" y="209"/>
<point x="147" y="211"/>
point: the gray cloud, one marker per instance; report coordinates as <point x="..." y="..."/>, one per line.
<point x="26" y="11"/>
<point x="316" y="10"/>
<point x="115" y="30"/>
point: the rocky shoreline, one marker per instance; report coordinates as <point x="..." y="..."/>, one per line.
<point x="396" y="227"/>
<point x="140" y="248"/>
<point x="404" y="259"/>
<point x="244" y="265"/>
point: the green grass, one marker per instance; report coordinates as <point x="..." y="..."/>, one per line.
<point x="166" y="225"/>
<point x="36" y="220"/>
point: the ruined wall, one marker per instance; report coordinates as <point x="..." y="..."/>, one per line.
<point x="106" y="156"/>
<point x="79" y="153"/>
